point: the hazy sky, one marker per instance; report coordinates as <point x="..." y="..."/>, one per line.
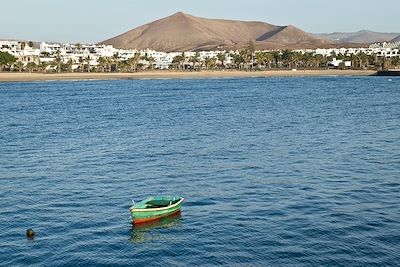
<point x="96" y="20"/>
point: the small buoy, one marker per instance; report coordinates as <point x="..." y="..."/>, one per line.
<point x="30" y="233"/>
<point x="390" y="80"/>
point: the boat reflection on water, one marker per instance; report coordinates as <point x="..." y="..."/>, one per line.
<point x="142" y="232"/>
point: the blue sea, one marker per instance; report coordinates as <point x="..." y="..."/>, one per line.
<point x="275" y="171"/>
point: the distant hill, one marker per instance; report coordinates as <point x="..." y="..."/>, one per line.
<point x="360" y="37"/>
<point x="184" y="32"/>
<point x="397" y="39"/>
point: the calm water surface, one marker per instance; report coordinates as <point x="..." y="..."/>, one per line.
<point x="276" y="171"/>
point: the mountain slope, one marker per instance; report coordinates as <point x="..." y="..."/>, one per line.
<point x="360" y="37"/>
<point x="183" y="32"/>
<point x="397" y="39"/>
<point x="292" y="35"/>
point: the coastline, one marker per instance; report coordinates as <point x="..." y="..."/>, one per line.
<point x="30" y="77"/>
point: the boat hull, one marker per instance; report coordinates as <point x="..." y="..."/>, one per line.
<point x="143" y="215"/>
<point x="150" y="219"/>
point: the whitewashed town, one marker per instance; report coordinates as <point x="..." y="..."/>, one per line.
<point x="57" y="57"/>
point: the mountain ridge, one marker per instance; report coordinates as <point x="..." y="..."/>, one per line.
<point x="359" y="37"/>
<point x="184" y="32"/>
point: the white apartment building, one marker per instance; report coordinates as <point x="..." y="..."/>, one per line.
<point x="9" y="46"/>
<point x="105" y="50"/>
<point x="388" y="52"/>
<point x="49" y="48"/>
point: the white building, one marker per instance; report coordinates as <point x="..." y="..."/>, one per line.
<point x="6" y="46"/>
<point x="105" y="50"/>
<point x="337" y="62"/>
<point x="388" y="52"/>
<point x="49" y="48"/>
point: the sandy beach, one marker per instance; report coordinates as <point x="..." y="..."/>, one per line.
<point x="24" y="76"/>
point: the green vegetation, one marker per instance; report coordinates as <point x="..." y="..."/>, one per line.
<point x="250" y="60"/>
<point x="245" y="60"/>
<point x="179" y="61"/>
<point x="6" y="59"/>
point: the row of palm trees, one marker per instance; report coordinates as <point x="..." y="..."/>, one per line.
<point x="245" y="59"/>
<point x="104" y="64"/>
<point x="248" y="59"/>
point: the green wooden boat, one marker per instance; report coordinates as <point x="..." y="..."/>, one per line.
<point x="154" y="208"/>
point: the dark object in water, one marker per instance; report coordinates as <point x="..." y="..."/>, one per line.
<point x="30" y="233"/>
<point x="388" y="73"/>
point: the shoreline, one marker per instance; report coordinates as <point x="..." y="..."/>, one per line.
<point x="31" y="77"/>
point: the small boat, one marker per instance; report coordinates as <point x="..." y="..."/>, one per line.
<point x="154" y="208"/>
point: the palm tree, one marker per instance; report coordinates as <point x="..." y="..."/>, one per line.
<point x="237" y="60"/>
<point x="78" y="47"/>
<point x="151" y="61"/>
<point x="261" y="59"/>
<point x="295" y="58"/>
<point x="109" y="62"/>
<point x="80" y="61"/>
<point x="277" y="56"/>
<point x="102" y="63"/>
<point x="19" y="66"/>
<point x="31" y="66"/>
<point x="122" y="66"/>
<point x="195" y="60"/>
<point x="246" y="57"/>
<point x="58" y="60"/>
<point x="268" y="57"/>
<point x="23" y="45"/>
<point x="43" y="66"/>
<point x="353" y="60"/>
<point x="133" y="62"/>
<point x="88" y="63"/>
<point x="362" y="59"/>
<point x="376" y="60"/>
<point x="396" y="62"/>
<point x="325" y="61"/>
<point x="179" y="60"/>
<point x="318" y="60"/>
<point x="385" y="63"/>
<point x="287" y="58"/>
<point x="68" y="65"/>
<point x="307" y="59"/>
<point x="221" y="58"/>
<point x="251" y="49"/>
<point x="114" y="61"/>
<point x="371" y="59"/>
<point x="210" y="63"/>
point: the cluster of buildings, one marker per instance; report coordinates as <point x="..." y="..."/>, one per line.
<point x="379" y="49"/>
<point x="76" y="53"/>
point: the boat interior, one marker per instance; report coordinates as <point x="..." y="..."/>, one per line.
<point x="160" y="203"/>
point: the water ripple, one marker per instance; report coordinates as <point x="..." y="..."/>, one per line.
<point x="275" y="172"/>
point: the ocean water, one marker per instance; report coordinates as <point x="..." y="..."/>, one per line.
<point x="275" y="171"/>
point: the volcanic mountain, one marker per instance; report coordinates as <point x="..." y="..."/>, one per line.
<point x="183" y="32"/>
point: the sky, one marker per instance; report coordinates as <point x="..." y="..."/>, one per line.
<point x="92" y="21"/>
